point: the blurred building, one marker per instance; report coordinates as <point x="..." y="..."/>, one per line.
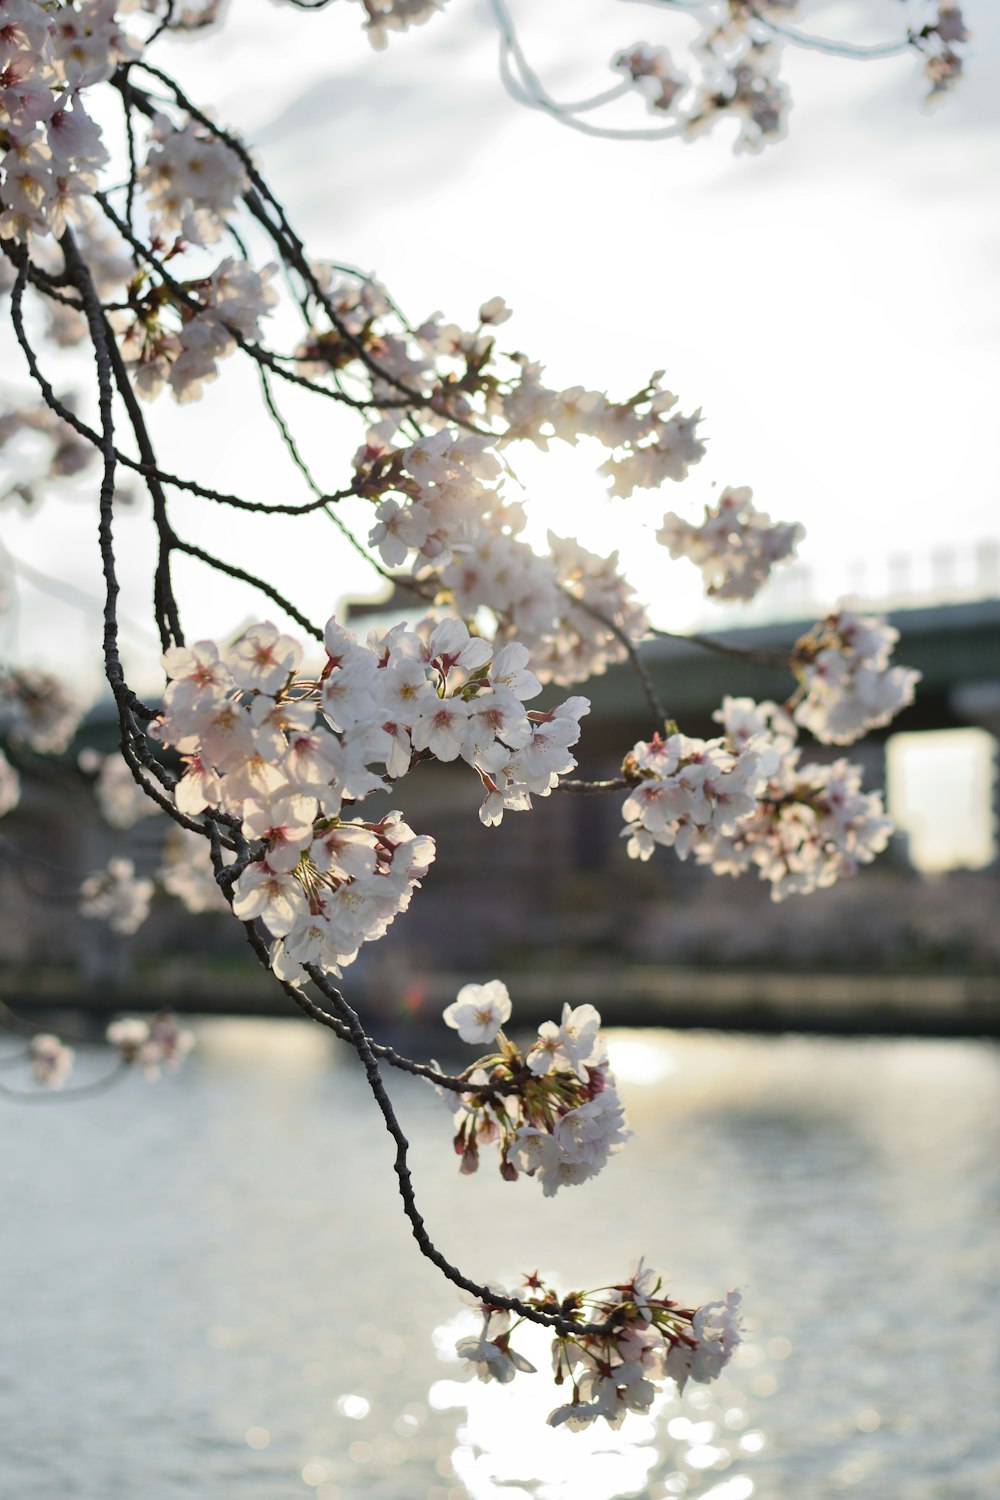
<point x="553" y="892"/>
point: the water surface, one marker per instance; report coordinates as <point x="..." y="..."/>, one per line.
<point x="209" y="1289"/>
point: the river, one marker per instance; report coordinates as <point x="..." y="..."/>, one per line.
<point x="209" y="1291"/>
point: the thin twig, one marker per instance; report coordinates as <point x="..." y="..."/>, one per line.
<point x="261" y="584"/>
<point x="51" y="1096"/>
<point x="637" y="664"/>
<point x="777" y="659"/>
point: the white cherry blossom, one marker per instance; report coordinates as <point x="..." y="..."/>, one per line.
<point x="478" y="1011"/>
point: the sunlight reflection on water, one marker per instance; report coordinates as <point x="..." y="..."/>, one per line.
<point x="544" y="1463"/>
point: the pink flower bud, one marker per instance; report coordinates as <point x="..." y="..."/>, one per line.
<point x="470" y="1160"/>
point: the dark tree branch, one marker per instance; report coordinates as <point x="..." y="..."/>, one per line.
<point x="164" y="603"/>
<point x="261" y="584"/>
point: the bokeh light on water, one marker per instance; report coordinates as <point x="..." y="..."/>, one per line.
<point x="504" y="1450"/>
<point x="210" y="1290"/>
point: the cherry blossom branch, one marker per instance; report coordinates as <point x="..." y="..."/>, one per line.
<point x="322" y="881"/>
<point x="93" y="311"/>
<point x="258" y="352"/>
<point x="132" y="741"/>
<point x="595" y="788"/>
<point x="778" y="659"/>
<point x="532" y="92"/>
<point x="144" y="469"/>
<point x="133" y="161"/>
<point x="859" y="52"/>
<point x="288" y="242"/>
<point x="404" y="1179"/>
<point x="220" y="497"/>
<point x="286" y="434"/>
<point x="323" y="1017"/>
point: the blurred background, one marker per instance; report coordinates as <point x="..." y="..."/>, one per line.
<point x="211" y="1288"/>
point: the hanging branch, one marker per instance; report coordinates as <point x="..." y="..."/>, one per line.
<point x="321" y="879"/>
<point x="404" y="1180"/>
<point x="164" y="603"/>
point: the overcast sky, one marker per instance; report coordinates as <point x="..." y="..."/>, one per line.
<point x="831" y="304"/>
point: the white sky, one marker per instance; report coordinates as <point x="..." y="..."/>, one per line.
<point x="831" y="304"/>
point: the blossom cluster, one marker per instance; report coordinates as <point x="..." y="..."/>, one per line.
<point x="192" y="181"/>
<point x="496" y="398"/>
<point x="649" y="1339"/>
<point x="50" y="1059"/>
<point x="120" y="798"/>
<point x="38" y="710"/>
<point x="744" y="801"/>
<point x="739" y="80"/>
<point x="385" y="16"/>
<point x="285" y="754"/>
<point x="552" y="1112"/>
<point x="940" y="37"/>
<point x="117" y="895"/>
<point x="436" y="505"/>
<point x="690" y="790"/>
<point x="63" y="453"/>
<point x="52" y="148"/>
<point x="814" y="825"/>
<point x="648" y="441"/>
<point x="434" y="497"/>
<point x="593" y="602"/>
<point x="735" y="546"/>
<point x="177" y="338"/>
<point x="847" y="685"/>
<point x="150" y="1046"/>
<point x="652" y="73"/>
<point x="739" y="53"/>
